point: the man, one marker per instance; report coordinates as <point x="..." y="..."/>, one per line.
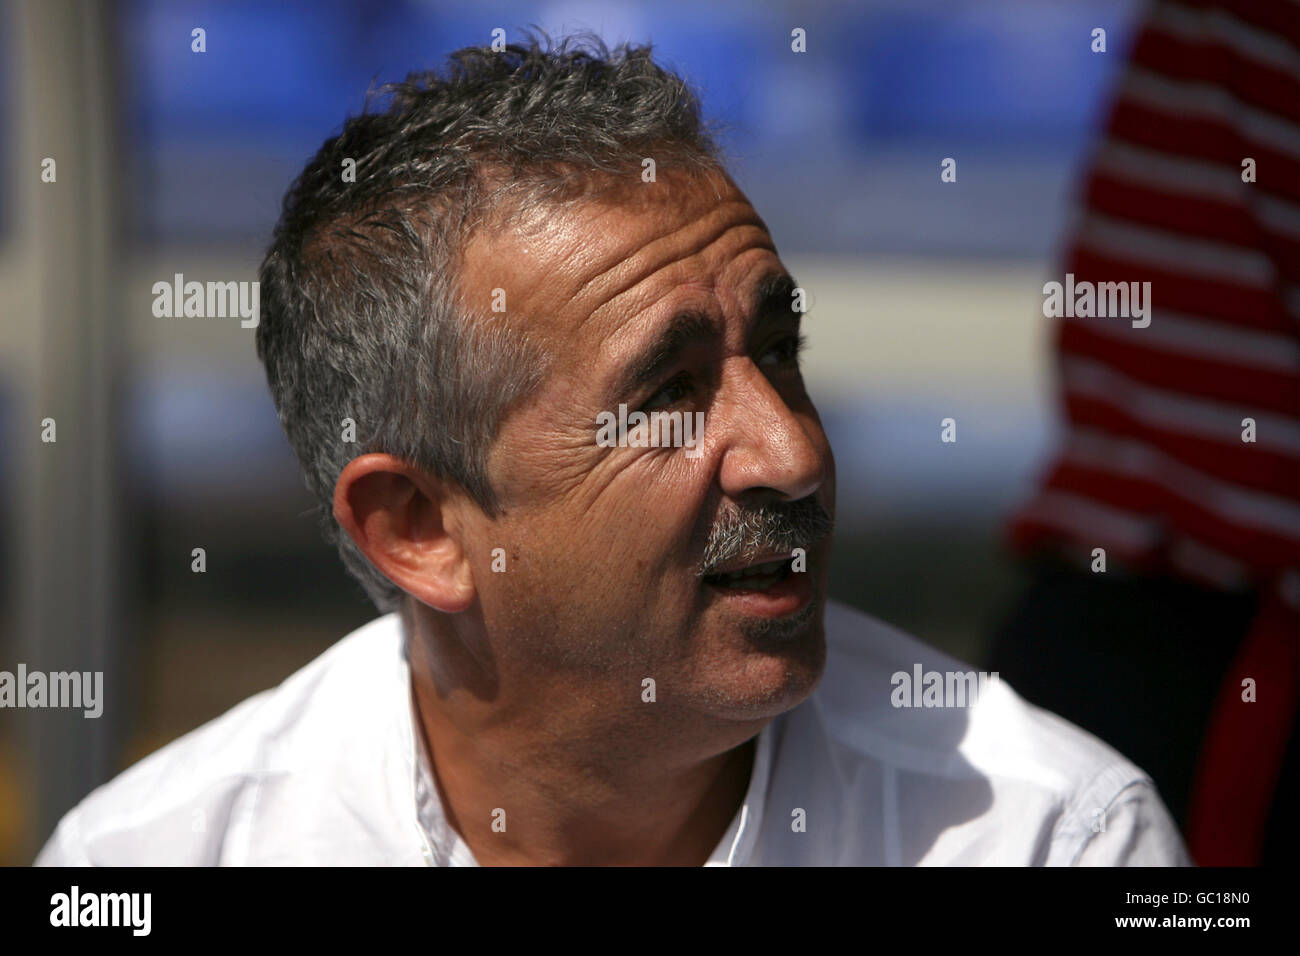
<point x="597" y="652"/>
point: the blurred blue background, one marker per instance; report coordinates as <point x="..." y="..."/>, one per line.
<point x="883" y="88"/>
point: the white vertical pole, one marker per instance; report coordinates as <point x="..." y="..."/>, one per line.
<point x="69" y="552"/>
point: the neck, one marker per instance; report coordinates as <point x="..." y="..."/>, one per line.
<point x="539" y="784"/>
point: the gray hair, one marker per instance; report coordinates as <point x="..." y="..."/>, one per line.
<point x="362" y="317"/>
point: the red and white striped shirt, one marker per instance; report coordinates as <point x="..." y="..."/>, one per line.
<point x="1154" y="468"/>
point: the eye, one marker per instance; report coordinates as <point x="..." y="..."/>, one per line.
<point x="672" y="393"/>
<point x="784" y="350"/>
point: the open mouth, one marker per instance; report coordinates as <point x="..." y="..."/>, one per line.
<point x="756" y="577"/>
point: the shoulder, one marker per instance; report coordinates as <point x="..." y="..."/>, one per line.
<point x="969" y="753"/>
<point x="187" y="802"/>
<point x="888" y="692"/>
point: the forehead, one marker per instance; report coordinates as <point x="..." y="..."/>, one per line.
<point x="583" y="270"/>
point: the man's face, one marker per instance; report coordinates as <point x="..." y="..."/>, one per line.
<point x="652" y="301"/>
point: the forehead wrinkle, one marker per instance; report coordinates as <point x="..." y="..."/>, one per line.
<point x="640" y="272"/>
<point x="754" y="300"/>
<point x="613" y="343"/>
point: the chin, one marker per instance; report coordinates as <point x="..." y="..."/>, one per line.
<point x="768" y="676"/>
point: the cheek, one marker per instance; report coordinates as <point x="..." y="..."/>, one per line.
<point x="661" y="497"/>
<point x="639" y="529"/>
<point x="573" y="508"/>
<point x="655" y="533"/>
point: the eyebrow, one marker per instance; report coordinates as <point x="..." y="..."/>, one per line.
<point x="684" y="329"/>
<point x="771" y="295"/>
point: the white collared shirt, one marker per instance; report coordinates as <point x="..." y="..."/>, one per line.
<point x="326" y="770"/>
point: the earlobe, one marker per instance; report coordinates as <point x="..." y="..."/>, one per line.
<point x="396" y="515"/>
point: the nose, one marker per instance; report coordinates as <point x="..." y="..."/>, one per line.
<point x="769" y="450"/>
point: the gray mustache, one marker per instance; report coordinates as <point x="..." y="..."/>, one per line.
<point x="749" y="532"/>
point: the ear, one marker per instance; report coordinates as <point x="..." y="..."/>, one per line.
<point x="398" y="516"/>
